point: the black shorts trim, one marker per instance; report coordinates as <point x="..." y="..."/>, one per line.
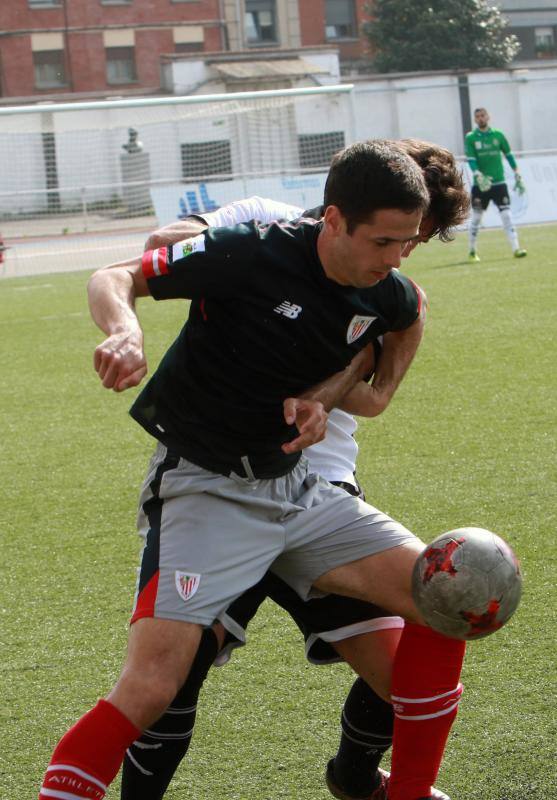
<point x="152" y="509"/>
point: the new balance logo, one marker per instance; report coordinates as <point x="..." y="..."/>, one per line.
<point x="288" y="309"/>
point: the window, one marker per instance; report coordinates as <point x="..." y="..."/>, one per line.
<point x="189" y="39"/>
<point x="340" y="19"/>
<point x="188" y="47"/>
<point x="317" y="149"/>
<point x="116" y="2"/>
<point x="203" y="159"/>
<point x="120" y="65"/>
<point x="260" y="21"/>
<point x="545" y="40"/>
<point x="50" y="69"/>
<point x="44" y="3"/>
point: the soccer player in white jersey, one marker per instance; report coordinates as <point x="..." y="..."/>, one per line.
<point x="332" y="626"/>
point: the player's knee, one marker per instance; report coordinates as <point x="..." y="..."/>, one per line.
<point x="366" y="579"/>
<point x="220" y="633"/>
<point x="152" y="690"/>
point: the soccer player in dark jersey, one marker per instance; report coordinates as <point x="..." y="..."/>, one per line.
<point x="333" y="625"/>
<point x="485" y="148"/>
<point x="275" y="310"/>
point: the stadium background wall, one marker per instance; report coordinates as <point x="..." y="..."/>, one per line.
<point x="66" y="169"/>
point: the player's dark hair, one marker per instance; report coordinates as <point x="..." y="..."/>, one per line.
<point x="372" y="175"/>
<point x="449" y="198"/>
<point x="481" y="108"/>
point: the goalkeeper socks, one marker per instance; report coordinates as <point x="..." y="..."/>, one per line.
<point x="510" y="230"/>
<point x="367" y="732"/>
<point x="475" y="222"/>
<point x="88" y="757"/>
<point x="425" y="694"/>
<point x="152" y="760"/>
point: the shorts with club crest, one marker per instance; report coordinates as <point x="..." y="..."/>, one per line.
<point x="210" y="537"/>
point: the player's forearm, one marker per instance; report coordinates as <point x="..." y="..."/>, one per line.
<point x="331" y="391"/>
<point x="512" y="162"/>
<point x="112" y="293"/>
<point x="175" y="232"/>
<point x="399" y="349"/>
<point x="119" y="360"/>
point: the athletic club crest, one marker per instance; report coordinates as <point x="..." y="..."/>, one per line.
<point x="187" y="584"/>
<point x="357" y="327"/>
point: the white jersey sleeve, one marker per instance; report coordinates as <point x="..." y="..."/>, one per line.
<point x="260" y="208"/>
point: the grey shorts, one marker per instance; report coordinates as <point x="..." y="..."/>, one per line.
<point x="209" y="537"/>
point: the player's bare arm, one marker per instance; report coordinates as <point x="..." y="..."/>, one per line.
<point x="175" y="232"/>
<point x="334" y="389"/>
<point x="399" y="349"/>
<point x="309" y="410"/>
<point x="112" y="291"/>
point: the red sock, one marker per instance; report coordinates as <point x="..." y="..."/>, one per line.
<point x="88" y="757"/>
<point x="425" y="695"/>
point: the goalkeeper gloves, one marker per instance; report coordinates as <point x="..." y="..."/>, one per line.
<point x="483" y="182"/>
<point x="519" y="186"/>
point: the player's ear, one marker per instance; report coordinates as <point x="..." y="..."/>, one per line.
<point x="334" y="220"/>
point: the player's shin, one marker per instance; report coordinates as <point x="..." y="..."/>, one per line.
<point x="152" y="760"/>
<point x="367" y="730"/>
<point x="88" y="757"/>
<point x="425" y="694"/>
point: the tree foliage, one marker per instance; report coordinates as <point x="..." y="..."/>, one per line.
<point x="409" y="35"/>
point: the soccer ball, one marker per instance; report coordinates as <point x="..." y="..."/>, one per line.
<point x="467" y="583"/>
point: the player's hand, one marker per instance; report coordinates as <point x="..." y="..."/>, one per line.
<point x="310" y="418"/>
<point x="484" y="182"/>
<point x="120" y="361"/>
<point x="519" y="186"/>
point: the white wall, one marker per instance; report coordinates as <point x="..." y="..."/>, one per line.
<point x="521" y="102"/>
<point x="410" y="107"/>
<point x="89" y="143"/>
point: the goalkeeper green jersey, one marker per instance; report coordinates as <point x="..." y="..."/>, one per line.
<point x="485" y="150"/>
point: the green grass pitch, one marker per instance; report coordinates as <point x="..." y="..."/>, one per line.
<point x="468" y="440"/>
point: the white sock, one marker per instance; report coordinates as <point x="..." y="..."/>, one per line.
<point x="510" y="230"/>
<point x="475" y="222"/>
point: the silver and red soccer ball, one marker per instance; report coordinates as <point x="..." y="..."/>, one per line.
<point x="467" y="583"/>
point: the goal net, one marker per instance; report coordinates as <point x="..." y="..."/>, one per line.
<point x="83" y="184"/>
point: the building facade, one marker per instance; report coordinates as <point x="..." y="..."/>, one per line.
<point x="58" y="47"/>
<point x="534" y="23"/>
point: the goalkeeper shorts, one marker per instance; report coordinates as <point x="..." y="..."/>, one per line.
<point x="498" y="193"/>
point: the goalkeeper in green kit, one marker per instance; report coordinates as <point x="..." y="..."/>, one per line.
<point x="485" y="148"/>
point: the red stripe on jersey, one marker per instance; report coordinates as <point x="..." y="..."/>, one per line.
<point x="421" y="294"/>
<point x="147" y="264"/>
<point x="145" y="606"/>
<point x="202" y="309"/>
